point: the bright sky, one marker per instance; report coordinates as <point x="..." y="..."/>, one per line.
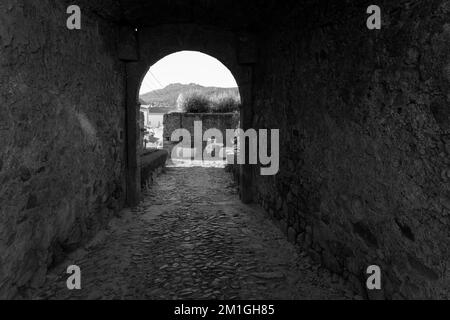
<point x="188" y="67"/>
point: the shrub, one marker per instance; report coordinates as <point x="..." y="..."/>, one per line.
<point x="195" y="102"/>
<point x="225" y="103"/>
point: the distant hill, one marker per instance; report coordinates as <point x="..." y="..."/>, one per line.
<point x="165" y="100"/>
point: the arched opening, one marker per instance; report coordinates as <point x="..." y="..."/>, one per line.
<point x="193" y="95"/>
<point x="157" y="42"/>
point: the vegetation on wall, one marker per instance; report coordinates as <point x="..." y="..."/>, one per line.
<point x="167" y="100"/>
<point x="197" y="102"/>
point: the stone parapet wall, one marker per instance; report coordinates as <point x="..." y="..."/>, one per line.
<point x="152" y="162"/>
<point x="221" y="121"/>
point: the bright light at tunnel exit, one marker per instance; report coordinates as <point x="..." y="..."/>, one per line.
<point x="187" y="67"/>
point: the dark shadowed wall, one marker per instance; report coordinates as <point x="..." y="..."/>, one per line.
<point x="365" y="147"/>
<point x="364" y="119"/>
<point x="61" y="130"/>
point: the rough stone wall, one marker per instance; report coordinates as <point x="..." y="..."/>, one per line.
<point x="61" y="131"/>
<point x="172" y="122"/>
<point x="365" y="139"/>
<point x="222" y="122"/>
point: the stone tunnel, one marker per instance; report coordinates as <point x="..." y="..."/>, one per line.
<point x="363" y="118"/>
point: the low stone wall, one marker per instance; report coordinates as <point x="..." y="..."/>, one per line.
<point x="152" y="163"/>
<point x="221" y="121"/>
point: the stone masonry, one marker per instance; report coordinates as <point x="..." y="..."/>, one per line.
<point x="61" y="136"/>
<point x="222" y="122"/>
<point x="363" y="114"/>
<point x="365" y="158"/>
<point x="217" y="248"/>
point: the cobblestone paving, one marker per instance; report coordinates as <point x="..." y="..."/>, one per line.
<point x="191" y="238"/>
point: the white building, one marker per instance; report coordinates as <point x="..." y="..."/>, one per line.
<point x="145" y="109"/>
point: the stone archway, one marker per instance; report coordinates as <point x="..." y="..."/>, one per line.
<point x="144" y="47"/>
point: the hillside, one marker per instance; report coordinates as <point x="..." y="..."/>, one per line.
<point x="165" y="100"/>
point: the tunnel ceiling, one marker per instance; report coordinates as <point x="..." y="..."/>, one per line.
<point x="231" y="14"/>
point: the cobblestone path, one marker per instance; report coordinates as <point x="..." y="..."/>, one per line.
<point x="191" y="238"/>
